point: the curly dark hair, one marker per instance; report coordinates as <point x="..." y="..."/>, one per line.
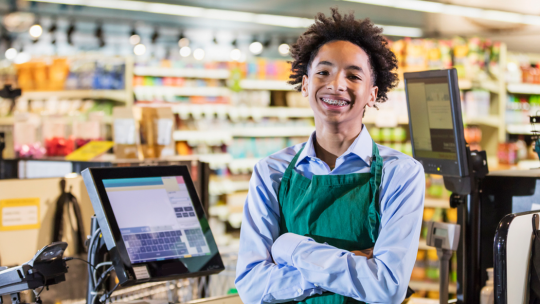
<point x="363" y="33"/>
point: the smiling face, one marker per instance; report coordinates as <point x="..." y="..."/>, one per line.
<point x="339" y="84"/>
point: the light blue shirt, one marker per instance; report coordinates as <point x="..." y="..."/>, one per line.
<point x="304" y="267"/>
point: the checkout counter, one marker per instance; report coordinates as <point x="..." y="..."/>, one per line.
<point x="484" y="200"/>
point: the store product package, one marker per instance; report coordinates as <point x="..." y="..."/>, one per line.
<point x="156" y="127"/>
<point x="126" y="136"/>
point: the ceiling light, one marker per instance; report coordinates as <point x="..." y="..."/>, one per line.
<point x="35" y="31"/>
<point x="11" y="53"/>
<point x="456" y="10"/>
<point x="22" y="58"/>
<point x="283" y="49"/>
<point x="183" y="42"/>
<point x="135" y="39"/>
<point x="185" y="51"/>
<point x="200" y="12"/>
<point x="139" y="49"/>
<point x="256" y="47"/>
<point x="198" y="54"/>
<point x="236" y="54"/>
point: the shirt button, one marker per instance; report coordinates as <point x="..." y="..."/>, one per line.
<point x="316" y="285"/>
<point x="299" y="290"/>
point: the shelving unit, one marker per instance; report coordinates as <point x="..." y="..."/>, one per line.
<point x="275" y="85"/>
<point x="523" y="88"/>
<point x="181" y="72"/>
<point x="118" y="95"/>
<point x="431" y="286"/>
<point x="182" y="91"/>
<point x="235" y="112"/>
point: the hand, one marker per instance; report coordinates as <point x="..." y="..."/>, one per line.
<point x="368" y="253"/>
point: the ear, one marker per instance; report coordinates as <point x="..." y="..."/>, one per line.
<point x="305" y="86"/>
<point x="373" y="96"/>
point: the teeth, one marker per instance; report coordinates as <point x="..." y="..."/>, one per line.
<point x="335" y="102"/>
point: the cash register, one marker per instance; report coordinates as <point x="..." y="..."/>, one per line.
<point x="438" y="143"/>
<point x="150" y="225"/>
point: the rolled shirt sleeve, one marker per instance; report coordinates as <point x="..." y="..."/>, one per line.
<point x="258" y="278"/>
<point x="385" y="277"/>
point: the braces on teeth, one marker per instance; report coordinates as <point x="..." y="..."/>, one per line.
<point x="335" y="102"/>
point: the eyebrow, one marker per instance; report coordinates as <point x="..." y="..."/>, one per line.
<point x="351" y="67"/>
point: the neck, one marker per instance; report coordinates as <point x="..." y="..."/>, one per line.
<point x="333" y="140"/>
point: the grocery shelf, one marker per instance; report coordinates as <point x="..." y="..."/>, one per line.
<point x="431" y="286"/>
<point x="181" y="72"/>
<point x="273" y="132"/>
<point x="523" y="88"/>
<point x="423" y="246"/>
<point x="384" y="118"/>
<point x="243" y="165"/>
<point x="491" y="120"/>
<point x="436" y="203"/>
<point x="240" y="111"/>
<point x="7" y="120"/>
<point x="119" y="95"/>
<point x="180" y="91"/>
<point x="518" y="128"/>
<point x="213" y="136"/>
<point x="275" y="85"/>
<point x="227" y="186"/>
<point x="197" y="136"/>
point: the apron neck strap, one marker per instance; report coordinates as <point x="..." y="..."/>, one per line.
<point x="375" y="182"/>
<point x="292" y="164"/>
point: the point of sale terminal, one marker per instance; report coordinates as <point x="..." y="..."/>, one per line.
<point x="172" y="239"/>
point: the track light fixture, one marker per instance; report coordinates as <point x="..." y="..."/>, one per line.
<point x="36" y="30"/>
<point x="182" y="40"/>
<point x="99" y="34"/>
<point x="52" y="31"/>
<point x="134" y="38"/>
<point x="70" y="31"/>
<point x="155" y="35"/>
<point x="256" y="47"/>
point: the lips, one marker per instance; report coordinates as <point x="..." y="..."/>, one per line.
<point x="335" y="101"/>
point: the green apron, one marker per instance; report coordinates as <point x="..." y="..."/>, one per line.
<point x="341" y="210"/>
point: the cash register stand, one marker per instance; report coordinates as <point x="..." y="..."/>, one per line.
<point x="97" y="253"/>
<point x="466" y="197"/>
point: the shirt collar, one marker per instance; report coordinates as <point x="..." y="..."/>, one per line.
<point x="361" y="147"/>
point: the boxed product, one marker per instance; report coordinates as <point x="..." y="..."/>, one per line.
<point x="126" y="136"/>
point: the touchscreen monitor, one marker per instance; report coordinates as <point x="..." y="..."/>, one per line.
<point x="156" y="218"/>
<point x="152" y="222"/>
<point x="435" y="121"/>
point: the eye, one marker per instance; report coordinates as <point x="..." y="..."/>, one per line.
<point x="354" y="77"/>
<point x="323" y="73"/>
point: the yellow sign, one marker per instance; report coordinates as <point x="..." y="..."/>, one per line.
<point x="19" y="214"/>
<point x="90" y="150"/>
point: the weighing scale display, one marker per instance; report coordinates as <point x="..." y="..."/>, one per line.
<point x="431" y="118"/>
<point x="156" y="218"/>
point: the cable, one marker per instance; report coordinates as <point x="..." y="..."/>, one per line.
<point x="100" y="265"/>
<point x="91" y="255"/>
<point x="74" y="258"/>
<point x="107" y="295"/>
<point x="102" y="277"/>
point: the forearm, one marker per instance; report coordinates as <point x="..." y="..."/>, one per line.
<point x="342" y="272"/>
<point x="271" y="283"/>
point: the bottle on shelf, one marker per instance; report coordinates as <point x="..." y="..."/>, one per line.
<point x="487" y="295"/>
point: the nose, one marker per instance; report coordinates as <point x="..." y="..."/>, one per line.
<point x="337" y="83"/>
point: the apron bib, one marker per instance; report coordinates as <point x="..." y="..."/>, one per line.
<point x="341" y="210"/>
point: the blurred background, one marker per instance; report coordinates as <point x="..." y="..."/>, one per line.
<point x="205" y="81"/>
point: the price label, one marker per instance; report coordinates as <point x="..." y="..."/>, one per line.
<point x="19" y="214"/>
